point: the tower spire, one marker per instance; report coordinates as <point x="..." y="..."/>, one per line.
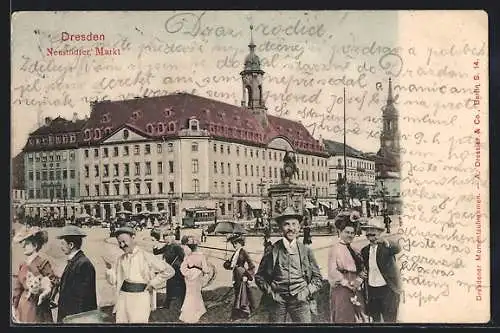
<point x="251" y="45"/>
<point x="390" y="98"/>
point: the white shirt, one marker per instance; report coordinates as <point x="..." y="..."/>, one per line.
<point x="375" y="278"/>
<point x="73" y="254"/>
<point x="291" y="247"/>
<point x="30" y="258"/>
<point x="235" y="257"/>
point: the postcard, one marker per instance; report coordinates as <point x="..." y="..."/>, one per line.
<point x="242" y="167"/>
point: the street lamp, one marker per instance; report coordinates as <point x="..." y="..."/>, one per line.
<point x="170" y="195"/>
<point x="261" y="188"/>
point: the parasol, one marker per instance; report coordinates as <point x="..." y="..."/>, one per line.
<point x="89" y="317"/>
<point x="228" y="227"/>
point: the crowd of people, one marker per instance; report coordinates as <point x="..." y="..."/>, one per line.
<point x="364" y="284"/>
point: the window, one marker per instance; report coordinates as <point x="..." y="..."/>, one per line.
<point x="147" y="149"/>
<point x="251" y="186"/>
<point x="251" y="153"/>
<point x="215" y="147"/>
<point x="215" y="167"/>
<point x="148" y="186"/>
<point x="126" y="171"/>
<point x="159" y="166"/>
<point x="96" y="170"/>
<point x="37" y="175"/>
<point x="171" y="166"/>
<point x="106" y="170"/>
<point x="125" y="151"/>
<point x="160" y="187"/>
<point x="237" y="151"/>
<point x="160" y="128"/>
<point x="137" y="188"/>
<point x="228" y="149"/>
<point x="115" y="151"/>
<point x="125" y="134"/>
<point x="257" y="169"/>
<point x="270" y="172"/>
<point x="237" y="169"/>
<point x="106" y="189"/>
<point x="229" y="169"/>
<point x="96" y="153"/>
<point x="238" y="187"/>
<point x="58" y="174"/>
<point x="275" y="157"/>
<point x="194" y="165"/>
<point x="86" y="171"/>
<point x="116" y="170"/>
<point x="196" y="185"/>
<point x="246" y="170"/>
<point x="216" y="189"/>
<point x="86" y="153"/>
<point x="222" y="168"/>
<point x="263" y="170"/>
<point x="159" y="148"/>
<point x="270" y="155"/>
<point x="148" y="168"/>
<point x="194" y="125"/>
<point x="137" y="169"/>
<point x="251" y="170"/>
<point x="127" y="189"/>
<point x="87" y="190"/>
<point x="105" y="152"/>
<point x="96" y="190"/>
<point x="222" y="149"/>
<point x="246" y="188"/>
<point x="30" y="175"/>
<point x="257" y="153"/>
<point x="171" y="187"/>
<point x="136" y="149"/>
<point x="229" y="187"/>
<point x="117" y="189"/>
<point x="170" y="147"/>
<point x="65" y="174"/>
<point x="194" y="146"/>
<point x="72" y="192"/>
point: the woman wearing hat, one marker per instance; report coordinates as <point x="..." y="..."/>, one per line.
<point x="193" y="267"/>
<point x="243" y="300"/>
<point x="35" y="280"/>
<point x="346" y="274"/>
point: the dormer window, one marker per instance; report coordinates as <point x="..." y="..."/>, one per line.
<point x="125" y="134"/>
<point x="171" y="126"/>
<point x="105" y="118"/>
<point x="160" y="128"/>
<point x="65" y="139"/>
<point x="194" y="125"/>
<point x="58" y="139"/>
<point x="37" y="140"/>
<point x="72" y="138"/>
<point x="97" y="133"/>
<point x="149" y="128"/>
<point x="45" y="140"/>
<point x="30" y="141"/>
<point x="168" y="112"/>
<point x="107" y="131"/>
<point x="86" y="134"/>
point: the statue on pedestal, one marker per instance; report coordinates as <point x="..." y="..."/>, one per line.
<point x="289" y="168"/>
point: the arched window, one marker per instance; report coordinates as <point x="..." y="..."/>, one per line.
<point x="97" y="133"/>
<point x="260" y="94"/>
<point x="149" y="128"/>
<point x="168" y="112"/>
<point x="86" y="134"/>
<point x="160" y="128"/>
<point x="194" y="146"/>
<point x="194" y="125"/>
<point x="196" y="185"/>
<point x="107" y="131"/>
<point x="249" y="96"/>
<point x="171" y="126"/>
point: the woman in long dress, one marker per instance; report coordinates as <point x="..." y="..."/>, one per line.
<point x="346" y="274"/>
<point x="244" y="302"/>
<point x="193" y="268"/>
<point x="35" y="281"/>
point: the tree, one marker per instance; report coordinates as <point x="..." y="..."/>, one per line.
<point x="357" y="191"/>
<point x="341" y="188"/>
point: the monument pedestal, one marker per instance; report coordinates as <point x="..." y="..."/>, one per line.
<point x="286" y="195"/>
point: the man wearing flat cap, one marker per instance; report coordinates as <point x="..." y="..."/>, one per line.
<point x="77" y="290"/>
<point x="384" y="286"/>
<point x="136" y="276"/>
<point x="288" y="273"/>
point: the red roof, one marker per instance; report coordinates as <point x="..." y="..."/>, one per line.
<point x="165" y="115"/>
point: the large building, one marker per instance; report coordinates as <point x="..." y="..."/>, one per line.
<point x="360" y="169"/>
<point x="18" y="193"/>
<point x="388" y="168"/>
<point x="177" y="152"/>
<point x="51" y="168"/>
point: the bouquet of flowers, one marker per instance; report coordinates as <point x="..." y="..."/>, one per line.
<point x="38" y="286"/>
<point x="361" y="317"/>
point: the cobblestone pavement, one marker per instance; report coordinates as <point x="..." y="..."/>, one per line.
<point x="218" y="295"/>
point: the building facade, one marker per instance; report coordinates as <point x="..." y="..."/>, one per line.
<point x="360" y="169"/>
<point x="51" y="168"/>
<point x="173" y="153"/>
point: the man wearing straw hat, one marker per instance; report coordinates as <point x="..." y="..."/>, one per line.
<point x="136" y="276"/>
<point x="288" y="273"/>
<point x="384" y="285"/>
<point x="77" y="291"/>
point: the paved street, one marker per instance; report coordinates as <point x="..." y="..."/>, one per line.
<point x="98" y="244"/>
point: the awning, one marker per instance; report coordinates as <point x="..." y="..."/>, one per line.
<point x="324" y="203"/>
<point x="254" y="204"/>
<point x="356" y="202"/>
<point x="309" y="205"/>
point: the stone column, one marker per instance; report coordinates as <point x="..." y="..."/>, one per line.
<point x="103" y="211"/>
<point x="113" y="210"/>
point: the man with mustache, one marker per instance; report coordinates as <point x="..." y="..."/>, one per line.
<point x="384" y="285"/>
<point x="136" y="276"/>
<point x="288" y="273"/>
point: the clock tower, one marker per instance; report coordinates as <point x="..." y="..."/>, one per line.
<point x="251" y="79"/>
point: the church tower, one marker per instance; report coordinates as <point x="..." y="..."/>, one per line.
<point x="389" y="139"/>
<point x="251" y="79"/>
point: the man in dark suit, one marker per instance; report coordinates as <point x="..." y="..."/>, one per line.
<point x="173" y="254"/>
<point x="383" y="284"/>
<point x="77" y="290"/>
<point x="288" y="273"/>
